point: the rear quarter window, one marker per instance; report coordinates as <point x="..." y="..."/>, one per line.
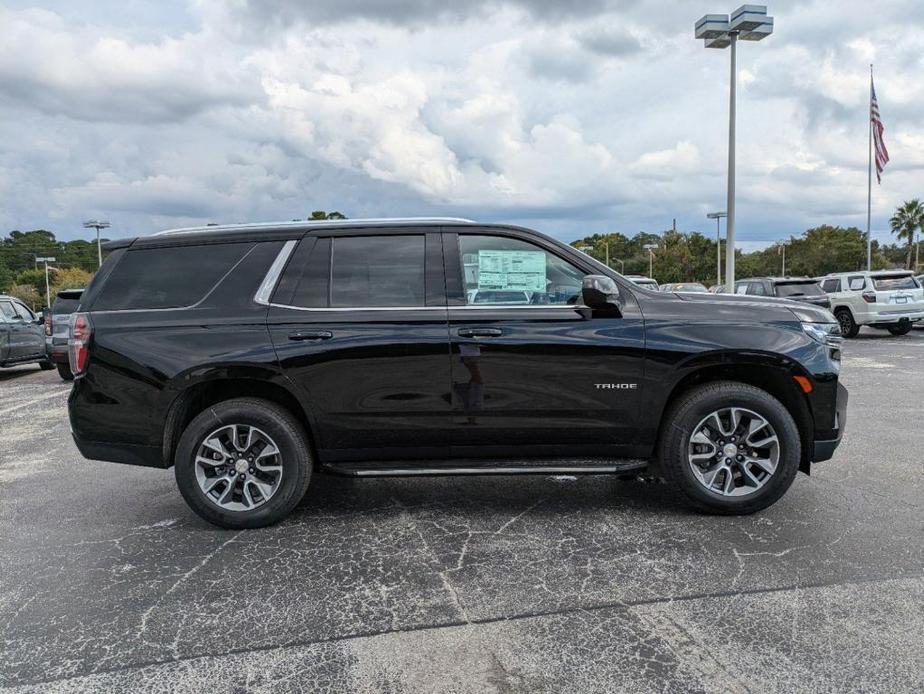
<point x="173" y="277"/>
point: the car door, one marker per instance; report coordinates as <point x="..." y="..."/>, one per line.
<point x="6" y="331"/>
<point x="358" y="321"/>
<point x="545" y="376"/>
<point x="33" y="332"/>
<point x="17" y="331"/>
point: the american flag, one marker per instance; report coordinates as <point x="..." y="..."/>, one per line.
<point x="882" y="154"/>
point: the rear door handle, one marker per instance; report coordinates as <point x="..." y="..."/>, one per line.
<point x="301" y="335"/>
<point x="480" y="332"/>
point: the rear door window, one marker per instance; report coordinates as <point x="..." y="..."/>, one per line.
<point x="174" y="277"/>
<point x="831" y="286"/>
<point x="305" y="282"/>
<point x="378" y="271"/>
<point x="856" y="283"/>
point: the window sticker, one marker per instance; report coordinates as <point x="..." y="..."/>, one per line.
<point x="516" y="270"/>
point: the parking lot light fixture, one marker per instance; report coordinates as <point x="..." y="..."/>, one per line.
<point x="97" y="224"/>
<point x="747" y="23"/>
<point x="651" y="248"/>
<point x="718" y="244"/>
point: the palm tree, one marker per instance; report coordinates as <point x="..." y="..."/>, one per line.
<point x="907" y="219"/>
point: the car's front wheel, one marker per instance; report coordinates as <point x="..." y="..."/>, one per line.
<point x="729" y="448"/>
<point x="243" y="463"/>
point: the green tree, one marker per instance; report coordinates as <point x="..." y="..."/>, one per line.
<point x="69" y="278"/>
<point x="28" y="295"/>
<point x="908" y="218"/>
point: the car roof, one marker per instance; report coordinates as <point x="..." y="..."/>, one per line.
<point x="287" y="230"/>
<point x="778" y="279"/>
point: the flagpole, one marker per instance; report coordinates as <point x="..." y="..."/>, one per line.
<point x="869" y="176"/>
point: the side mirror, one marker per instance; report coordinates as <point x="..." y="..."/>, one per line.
<point x="601" y="293"/>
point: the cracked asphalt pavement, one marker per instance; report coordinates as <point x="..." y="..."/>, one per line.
<point x="495" y="584"/>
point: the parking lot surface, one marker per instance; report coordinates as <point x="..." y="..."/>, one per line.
<point x="507" y="584"/>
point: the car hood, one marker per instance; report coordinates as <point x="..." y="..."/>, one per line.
<point x="802" y="310"/>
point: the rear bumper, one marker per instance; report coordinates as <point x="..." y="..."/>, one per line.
<point x="889" y="317"/>
<point x="824" y="449"/>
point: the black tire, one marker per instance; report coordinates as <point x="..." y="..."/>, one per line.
<point x="46" y="365"/>
<point x="64" y="371"/>
<point x="295" y="455"/>
<point x="690" y="410"/>
<point x="900" y="328"/>
<point x="849" y="327"/>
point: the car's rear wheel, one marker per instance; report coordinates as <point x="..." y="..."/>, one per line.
<point x="900" y="328"/>
<point x="64" y="371"/>
<point x="729" y="448"/>
<point x="243" y="463"/>
<point x="849" y="327"/>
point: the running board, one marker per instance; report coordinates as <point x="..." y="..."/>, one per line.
<point x="563" y="466"/>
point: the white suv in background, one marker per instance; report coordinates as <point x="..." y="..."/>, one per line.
<point x="892" y="300"/>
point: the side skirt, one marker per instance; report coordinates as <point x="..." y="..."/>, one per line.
<point x="429" y="468"/>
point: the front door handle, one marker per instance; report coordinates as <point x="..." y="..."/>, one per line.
<point x="480" y="332"/>
<point x="301" y="335"/>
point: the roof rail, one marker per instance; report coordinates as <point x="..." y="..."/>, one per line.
<point x="309" y="223"/>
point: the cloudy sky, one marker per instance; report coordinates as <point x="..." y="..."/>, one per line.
<point x="570" y="116"/>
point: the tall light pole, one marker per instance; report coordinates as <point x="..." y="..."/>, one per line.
<point x="748" y="23"/>
<point x="651" y="248"/>
<point x="46" y="260"/>
<point x="97" y="224"/>
<point x="718" y="244"/>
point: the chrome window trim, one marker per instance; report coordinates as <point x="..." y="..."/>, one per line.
<point x="268" y="285"/>
<point x="482" y="307"/>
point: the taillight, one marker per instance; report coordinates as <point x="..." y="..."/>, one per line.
<point x="78" y="343"/>
<point x="869" y="297"/>
<point x="48" y="330"/>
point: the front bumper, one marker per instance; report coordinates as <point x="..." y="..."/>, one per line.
<point x="824" y="449"/>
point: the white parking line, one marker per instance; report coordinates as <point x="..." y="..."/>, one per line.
<point x="31" y="402"/>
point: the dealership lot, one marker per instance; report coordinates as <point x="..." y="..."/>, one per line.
<point x="469" y="584"/>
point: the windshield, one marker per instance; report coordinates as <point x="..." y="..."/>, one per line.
<point x="890" y="282"/>
<point x="798" y="289"/>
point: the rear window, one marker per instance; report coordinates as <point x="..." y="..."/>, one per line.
<point x="172" y="277"/>
<point x="889" y="282"/>
<point x="62" y="306"/>
<point x="798" y="289"/>
<point x="377" y="271"/>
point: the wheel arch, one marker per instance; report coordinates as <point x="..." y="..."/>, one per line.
<point x="771" y="376"/>
<point x="195" y="398"/>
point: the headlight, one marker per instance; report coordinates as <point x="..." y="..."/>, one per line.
<point x="825" y="333"/>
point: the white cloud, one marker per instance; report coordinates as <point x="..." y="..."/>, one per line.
<point x="573" y="116"/>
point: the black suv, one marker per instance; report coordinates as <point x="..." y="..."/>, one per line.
<point x="804" y="289"/>
<point x="251" y="357"/>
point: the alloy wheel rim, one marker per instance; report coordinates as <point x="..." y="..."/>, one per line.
<point x="733" y="451"/>
<point x="238" y="467"/>
<point x="844" y="320"/>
